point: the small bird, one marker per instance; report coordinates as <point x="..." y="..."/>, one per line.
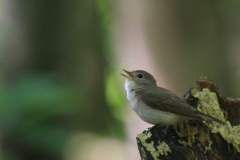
<point x="156" y="105"/>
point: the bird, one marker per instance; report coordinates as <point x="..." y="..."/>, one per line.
<point x="156" y="105"/>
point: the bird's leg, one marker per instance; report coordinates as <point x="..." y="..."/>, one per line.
<point x="150" y="129"/>
<point x="165" y="130"/>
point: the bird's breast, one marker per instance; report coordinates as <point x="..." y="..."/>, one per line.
<point x="132" y="97"/>
<point x="151" y="115"/>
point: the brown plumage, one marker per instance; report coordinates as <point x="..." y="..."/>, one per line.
<point x="156" y="105"/>
<point x="165" y="100"/>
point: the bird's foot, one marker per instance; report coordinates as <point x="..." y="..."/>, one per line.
<point x="149" y="129"/>
<point x="165" y="130"/>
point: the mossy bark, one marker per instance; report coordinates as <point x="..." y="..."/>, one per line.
<point x="194" y="140"/>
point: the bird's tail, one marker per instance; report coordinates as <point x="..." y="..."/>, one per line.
<point x="207" y="117"/>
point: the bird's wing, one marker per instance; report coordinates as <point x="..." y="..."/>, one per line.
<point x="165" y="100"/>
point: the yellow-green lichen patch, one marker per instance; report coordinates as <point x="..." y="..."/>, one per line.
<point x="204" y="138"/>
<point x="143" y="154"/>
<point x="208" y="148"/>
<point x="182" y="142"/>
<point x="208" y="104"/>
<point x="162" y="148"/>
<point x="192" y="131"/>
<point x="183" y="129"/>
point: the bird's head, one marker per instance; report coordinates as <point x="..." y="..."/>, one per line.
<point x="138" y="79"/>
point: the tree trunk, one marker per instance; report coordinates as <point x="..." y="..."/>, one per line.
<point x="194" y="140"/>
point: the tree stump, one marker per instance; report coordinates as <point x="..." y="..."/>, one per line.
<point x="195" y="140"/>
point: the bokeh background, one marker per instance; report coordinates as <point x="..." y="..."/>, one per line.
<point x="61" y="92"/>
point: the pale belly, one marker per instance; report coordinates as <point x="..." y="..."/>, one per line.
<point x="154" y="116"/>
<point x="148" y="114"/>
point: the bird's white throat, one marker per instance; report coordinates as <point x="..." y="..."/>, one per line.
<point x="130" y="86"/>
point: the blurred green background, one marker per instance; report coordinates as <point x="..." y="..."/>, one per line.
<point x="61" y="93"/>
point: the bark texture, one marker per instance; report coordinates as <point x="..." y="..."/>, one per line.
<point x="194" y="140"/>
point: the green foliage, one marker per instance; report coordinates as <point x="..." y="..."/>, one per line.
<point x="32" y="111"/>
<point x="38" y="114"/>
<point x="114" y="95"/>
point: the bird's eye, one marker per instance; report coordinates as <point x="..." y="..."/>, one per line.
<point x="140" y="76"/>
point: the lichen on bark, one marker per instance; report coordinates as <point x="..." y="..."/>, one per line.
<point x="196" y="139"/>
<point x="161" y="148"/>
<point x="208" y="104"/>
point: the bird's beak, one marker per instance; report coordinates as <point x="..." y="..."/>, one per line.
<point x="129" y="74"/>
